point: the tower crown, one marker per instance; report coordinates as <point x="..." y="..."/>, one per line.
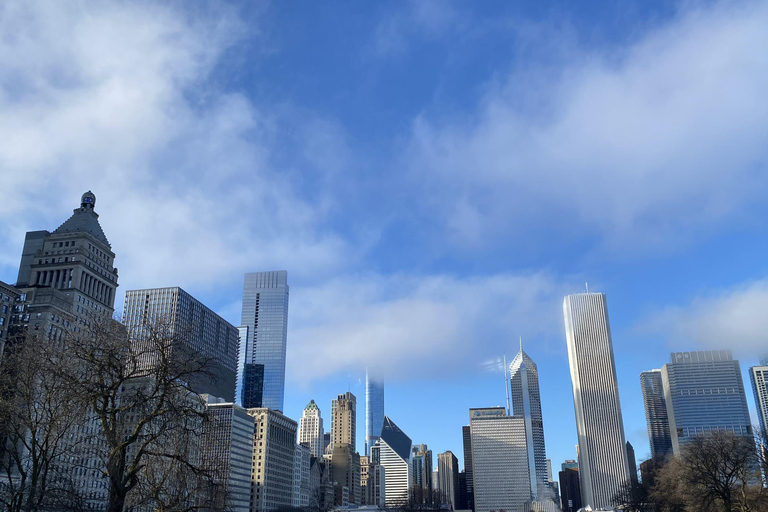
<point x="88" y="201"/>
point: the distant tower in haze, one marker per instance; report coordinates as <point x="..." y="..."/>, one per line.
<point x="603" y="467"/>
<point x="265" y="313"/>
<point x="311" y="429"/>
<point x="374" y="411"/>
<point x="656" y="414"/>
<point x="526" y="402"/>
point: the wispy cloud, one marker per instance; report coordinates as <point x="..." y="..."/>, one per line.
<point x="736" y="318"/>
<point x="418" y="18"/>
<point x="426" y="324"/>
<point x="118" y="98"/>
<point x="645" y="146"/>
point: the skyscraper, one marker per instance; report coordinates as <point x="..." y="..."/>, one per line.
<point x="602" y="452"/>
<point x="704" y="393"/>
<point x="448" y="478"/>
<point x="656" y="414"/>
<point x="311" y="429"/>
<point x="273" y="460"/>
<point x="66" y="283"/>
<point x="393" y="452"/>
<point x="421" y="468"/>
<point x="344" y="420"/>
<point x="226" y="450"/>
<point x="526" y="402"/>
<point x="469" y="481"/>
<point x="499" y="460"/>
<point x="374" y="411"/>
<point x="265" y="313"/>
<point x="194" y="327"/>
<point x="758" y="375"/>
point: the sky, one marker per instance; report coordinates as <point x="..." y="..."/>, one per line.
<point x="435" y="177"/>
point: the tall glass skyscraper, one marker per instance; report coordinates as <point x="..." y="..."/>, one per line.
<point x="374" y="411"/>
<point x="704" y="393"/>
<point x="656" y="413"/>
<point x="526" y="402"/>
<point x="603" y="465"/>
<point x="265" y="313"/>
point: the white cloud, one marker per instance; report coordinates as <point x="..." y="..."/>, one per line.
<point x="644" y="145"/>
<point x="425" y="18"/>
<point x="401" y="326"/>
<point x="732" y="319"/>
<point x="118" y="98"/>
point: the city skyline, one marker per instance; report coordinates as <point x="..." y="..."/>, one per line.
<point x="434" y="176"/>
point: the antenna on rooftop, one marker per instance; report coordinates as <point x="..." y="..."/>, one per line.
<point x="506" y="383"/>
<point x="587" y="285"/>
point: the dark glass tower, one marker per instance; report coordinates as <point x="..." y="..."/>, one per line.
<point x="526" y="402"/>
<point x="265" y="313"/>
<point x="656" y="414"/>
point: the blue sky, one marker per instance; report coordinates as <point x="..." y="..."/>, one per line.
<point x="435" y="177"/>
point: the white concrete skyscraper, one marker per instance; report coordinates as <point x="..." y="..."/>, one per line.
<point x="311" y="429"/>
<point x="374" y="411"/>
<point x="526" y="402"/>
<point x="603" y="465"/>
<point x="265" y="313"/>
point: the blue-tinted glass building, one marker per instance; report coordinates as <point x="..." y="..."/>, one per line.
<point x="656" y="414"/>
<point x="265" y="314"/>
<point x="374" y="411"/>
<point x="704" y="393"/>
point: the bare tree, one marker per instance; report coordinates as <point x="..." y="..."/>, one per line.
<point x="717" y="472"/>
<point x="37" y="414"/>
<point x="138" y="388"/>
<point x="632" y="497"/>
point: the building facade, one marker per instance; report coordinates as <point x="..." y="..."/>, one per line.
<point x="265" y="313"/>
<point x="758" y="375"/>
<point x="344" y="421"/>
<point x="526" y="402"/>
<point x="603" y="465"/>
<point x="311" y="429"/>
<point x="656" y="417"/>
<point x="469" y="481"/>
<point x="273" y="460"/>
<point x="448" y="478"/>
<point x="301" y="476"/>
<point x="374" y="410"/>
<point x="393" y="452"/>
<point x="499" y="460"/>
<point x="226" y="448"/>
<point x="570" y="492"/>
<point x="193" y="327"/>
<point x="704" y="392"/>
<point x="421" y="470"/>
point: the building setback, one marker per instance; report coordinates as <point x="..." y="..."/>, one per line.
<point x="704" y="392"/>
<point x="499" y="460"/>
<point x="265" y="313"/>
<point x="274" y="447"/>
<point x="603" y="465"/>
<point x="311" y="429"/>
<point x="193" y="327"/>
